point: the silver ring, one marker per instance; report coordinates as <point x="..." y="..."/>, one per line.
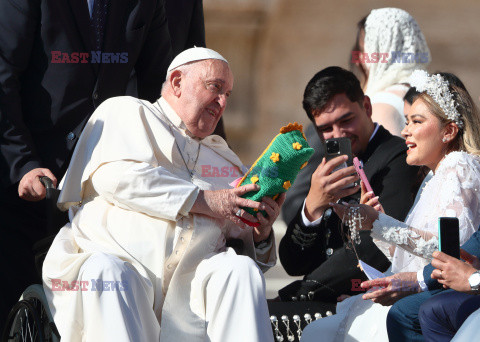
<point x="239" y="212"/>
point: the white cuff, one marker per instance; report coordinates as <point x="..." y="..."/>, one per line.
<point x="306" y="221"/>
<point x="421" y="280"/>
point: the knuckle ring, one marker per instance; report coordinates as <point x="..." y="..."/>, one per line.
<point x="239" y="212"/>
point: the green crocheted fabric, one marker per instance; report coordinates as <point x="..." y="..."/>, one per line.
<point x="277" y="167"/>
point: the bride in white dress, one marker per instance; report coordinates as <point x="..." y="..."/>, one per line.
<point x="395" y="32"/>
<point x="442" y="133"/>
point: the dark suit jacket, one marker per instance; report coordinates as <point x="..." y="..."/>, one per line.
<point x="44" y="105"/>
<point x="185" y="23"/>
<point x="391" y="179"/>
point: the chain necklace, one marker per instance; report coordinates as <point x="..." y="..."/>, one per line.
<point x="192" y="171"/>
<point x="170" y="125"/>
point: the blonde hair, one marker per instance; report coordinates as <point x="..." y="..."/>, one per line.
<point x="467" y="138"/>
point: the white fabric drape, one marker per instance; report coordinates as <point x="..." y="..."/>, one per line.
<point x="469" y="329"/>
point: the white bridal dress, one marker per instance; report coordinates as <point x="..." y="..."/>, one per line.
<point x="452" y="191"/>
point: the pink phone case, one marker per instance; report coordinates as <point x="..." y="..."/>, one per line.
<point x="361" y="174"/>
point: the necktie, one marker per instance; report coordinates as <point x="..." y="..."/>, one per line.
<point x="99" y="17"/>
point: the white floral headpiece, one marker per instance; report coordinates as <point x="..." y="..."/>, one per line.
<point x="436" y="86"/>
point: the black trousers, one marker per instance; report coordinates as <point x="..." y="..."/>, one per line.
<point x="22" y="223"/>
<point x="442" y="315"/>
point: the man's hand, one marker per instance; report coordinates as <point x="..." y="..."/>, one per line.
<point x="392" y="288"/>
<point x="329" y="187"/>
<point x="226" y="203"/>
<point x="30" y="187"/>
<point x="454" y="273"/>
<point x="272" y="209"/>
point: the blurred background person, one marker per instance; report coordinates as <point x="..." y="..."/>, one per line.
<point x="389" y="46"/>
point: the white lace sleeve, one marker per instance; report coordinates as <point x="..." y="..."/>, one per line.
<point x="452" y="192"/>
<point x="414" y="240"/>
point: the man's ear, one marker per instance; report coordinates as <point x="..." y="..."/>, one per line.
<point x="367" y="105"/>
<point x="176" y="82"/>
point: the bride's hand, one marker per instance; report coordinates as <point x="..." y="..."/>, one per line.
<point x="386" y="291"/>
<point x="368" y="198"/>
<point x="367" y="214"/>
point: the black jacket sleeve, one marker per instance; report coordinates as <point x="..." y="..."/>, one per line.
<point x="18" y="23"/>
<point x="302" y="249"/>
<point x="196" y="32"/>
<point x="155" y="56"/>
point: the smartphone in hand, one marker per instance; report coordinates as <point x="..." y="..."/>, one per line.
<point x="361" y="174"/>
<point x="448" y="236"/>
<point x="336" y="147"/>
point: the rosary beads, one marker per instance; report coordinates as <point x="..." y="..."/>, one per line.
<point x="353" y="219"/>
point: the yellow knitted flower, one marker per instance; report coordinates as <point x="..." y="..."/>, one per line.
<point x="287" y="185"/>
<point x="296" y="146"/>
<point x="254" y="179"/>
<point x="275" y="157"/>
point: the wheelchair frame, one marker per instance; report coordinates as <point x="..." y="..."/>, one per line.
<point x="30" y="319"/>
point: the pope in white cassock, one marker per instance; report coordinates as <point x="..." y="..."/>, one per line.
<point x="144" y="256"/>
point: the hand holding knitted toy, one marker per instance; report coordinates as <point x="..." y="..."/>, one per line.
<point x="276" y="169"/>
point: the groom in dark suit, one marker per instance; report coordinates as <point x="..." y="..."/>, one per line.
<point x="434" y="314"/>
<point x="59" y="60"/>
<point x="314" y="244"/>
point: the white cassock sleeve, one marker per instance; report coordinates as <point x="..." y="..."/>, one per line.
<point x="140" y="187"/>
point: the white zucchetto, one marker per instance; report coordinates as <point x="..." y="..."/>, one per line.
<point x="194" y="54"/>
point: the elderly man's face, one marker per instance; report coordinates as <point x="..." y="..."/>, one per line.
<point x="204" y="96"/>
<point x="344" y="118"/>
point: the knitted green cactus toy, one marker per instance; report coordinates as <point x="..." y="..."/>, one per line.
<point x="277" y="167"/>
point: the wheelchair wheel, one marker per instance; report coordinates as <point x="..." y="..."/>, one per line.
<point x="30" y="319"/>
